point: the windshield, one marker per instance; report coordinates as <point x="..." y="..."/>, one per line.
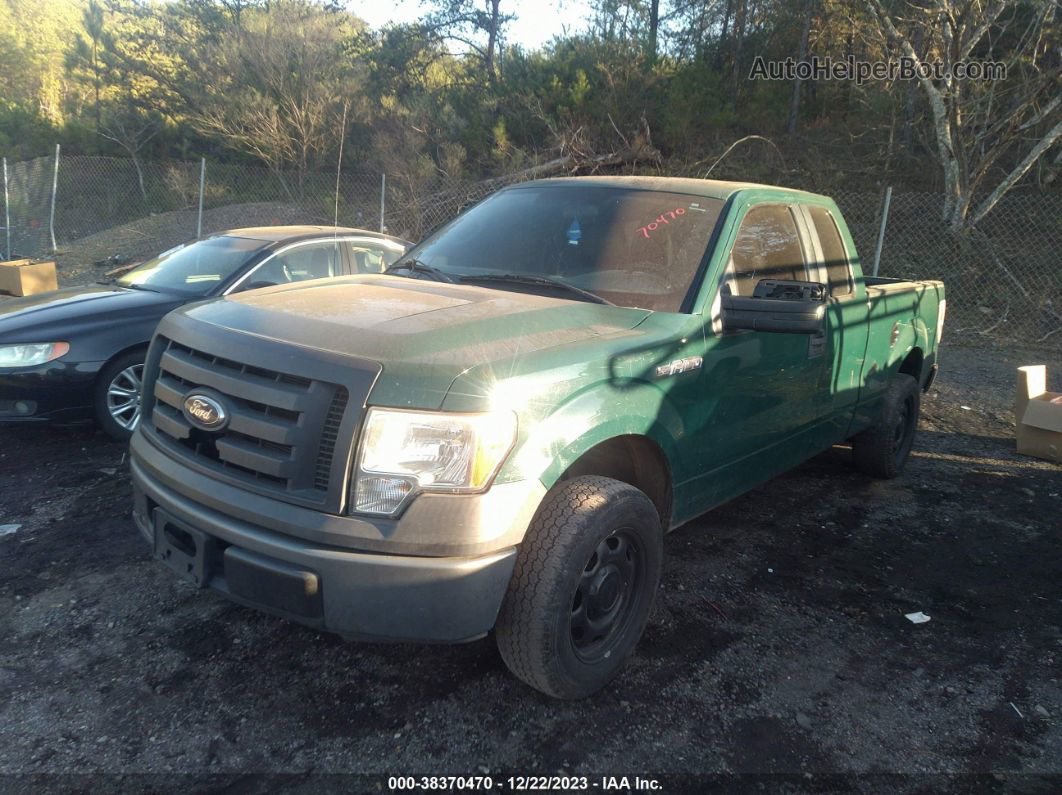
<point x="194" y="268"/>
<point x="630" y="247"/>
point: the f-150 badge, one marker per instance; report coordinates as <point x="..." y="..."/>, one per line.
<point x="679" y="366"/>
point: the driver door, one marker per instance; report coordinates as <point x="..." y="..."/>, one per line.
<point x="756" y="393"/>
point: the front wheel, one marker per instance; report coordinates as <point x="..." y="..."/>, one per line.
<point x="117" y="395"/>
<point x="582" y="587"/>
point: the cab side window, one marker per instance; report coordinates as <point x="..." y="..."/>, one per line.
<point x="369" y="257"/>
<point x="767" y="247"/>
<point x="838" y="271"/>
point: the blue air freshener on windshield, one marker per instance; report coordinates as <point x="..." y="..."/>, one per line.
<point x="575" y="233"/>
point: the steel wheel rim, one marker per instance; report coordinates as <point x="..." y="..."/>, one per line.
<point x="903" y="429"/>
<point x="123" y="397"/>
<point x="606" y="596"/>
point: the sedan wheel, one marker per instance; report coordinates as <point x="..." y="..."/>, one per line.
<point x="116" y="396"/>
<point x="123" y="397"/>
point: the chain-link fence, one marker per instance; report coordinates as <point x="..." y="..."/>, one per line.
<point x="414" y="209"/>
<point x="85" y="208"/>
<point x="1004" y="279"/>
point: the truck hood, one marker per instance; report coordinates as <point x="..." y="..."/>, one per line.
<point x="423" y="334"/>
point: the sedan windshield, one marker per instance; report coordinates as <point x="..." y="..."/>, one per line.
<point x="633" y="248"/>
<point x="194" y="268"/>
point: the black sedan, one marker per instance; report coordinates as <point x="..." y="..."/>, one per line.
<point x="78" y="353"/>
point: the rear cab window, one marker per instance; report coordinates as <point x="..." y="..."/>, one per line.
<point x="834" y="254"/>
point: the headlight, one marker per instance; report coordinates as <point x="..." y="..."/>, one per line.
<point x="404" y="452"/>
<point x="30" y="354"/>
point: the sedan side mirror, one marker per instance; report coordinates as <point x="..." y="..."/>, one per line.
<point x="788" y="307"/>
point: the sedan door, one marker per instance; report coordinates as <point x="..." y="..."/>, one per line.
<point x="371" y="254"/>
<point x="308" y="259"/>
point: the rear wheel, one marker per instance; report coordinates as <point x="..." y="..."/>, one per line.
<point x="117" y="395"/>
<point x="582" y="587"/>
<point x="882" y="449"/>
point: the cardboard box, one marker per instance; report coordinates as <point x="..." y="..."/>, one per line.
<point x="1038" y="415"/>
<point x="26" y="277"/>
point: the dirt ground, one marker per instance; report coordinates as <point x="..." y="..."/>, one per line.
<point x="778" y="644"/>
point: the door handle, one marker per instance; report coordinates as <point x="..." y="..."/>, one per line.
<point x="816" y="345"/>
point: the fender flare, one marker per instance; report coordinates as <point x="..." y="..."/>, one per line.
<point x="586" y="419"/>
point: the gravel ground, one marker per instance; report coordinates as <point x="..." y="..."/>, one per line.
<point x="778" y="644"/>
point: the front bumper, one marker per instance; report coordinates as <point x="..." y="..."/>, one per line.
<point x="57" y="392"/>
<point x="358" y="593"/>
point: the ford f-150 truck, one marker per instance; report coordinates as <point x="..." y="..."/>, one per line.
<point x="497" y="432"/>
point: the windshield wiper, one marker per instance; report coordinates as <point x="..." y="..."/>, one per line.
<point x="544" y="281"/>
<point x="416" y="266"/>
<point x="129" y="286"/>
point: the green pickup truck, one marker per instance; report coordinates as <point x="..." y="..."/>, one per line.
<point x="497" y="432"/>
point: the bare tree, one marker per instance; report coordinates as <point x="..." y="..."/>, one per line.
<point x="620" y="20"/>
<point x="654" y="27"/>
<point x="88" y="53"/>
<point x="281" y="83"/>
<point x="465" y="22"/>
<point x="131" y="128"/>
<point x="979" y="124"/>
<point x="802" y="53"/>
<point x="740" y="12"/>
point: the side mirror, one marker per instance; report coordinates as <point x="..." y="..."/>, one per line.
<point x="787" y="307"/>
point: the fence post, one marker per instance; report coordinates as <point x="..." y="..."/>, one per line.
<point x="55" y="187"/>
<point x="202" y="183"/>
<point x="881" y="231"/>
<point x="7" y="215"/>
<point x="383" y="202"/>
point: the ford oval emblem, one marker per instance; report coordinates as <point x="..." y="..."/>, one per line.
<point x="205" y="412"/>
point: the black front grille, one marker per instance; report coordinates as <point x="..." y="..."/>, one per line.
<point x="282" y="430"/>
<point x="329" y="437"/>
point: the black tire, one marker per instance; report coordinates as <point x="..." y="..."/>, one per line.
<point x="555" y="631"/>
<point x="115" y="376"/>
<point x="882" y="449"/>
